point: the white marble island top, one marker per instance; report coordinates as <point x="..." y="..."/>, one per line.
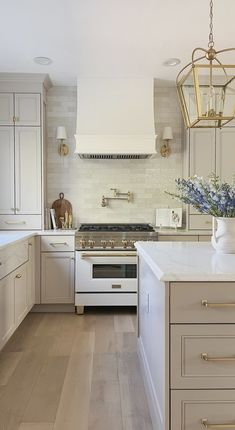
<point x="187" y="261"/>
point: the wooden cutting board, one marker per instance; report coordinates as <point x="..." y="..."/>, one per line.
<point x="61" y="206"/>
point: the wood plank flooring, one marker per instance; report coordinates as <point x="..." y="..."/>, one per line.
<point x="70" y="372"/>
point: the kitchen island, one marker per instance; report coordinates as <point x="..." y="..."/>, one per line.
<point x="186" y="334"/>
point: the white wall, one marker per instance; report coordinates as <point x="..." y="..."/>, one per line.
<point x="85" y="181"/>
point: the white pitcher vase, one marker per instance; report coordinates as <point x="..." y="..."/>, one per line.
<point x="223" y="235"/>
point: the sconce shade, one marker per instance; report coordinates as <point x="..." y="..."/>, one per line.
<point x="61" y="133"/>
<point x="167" y="133"/>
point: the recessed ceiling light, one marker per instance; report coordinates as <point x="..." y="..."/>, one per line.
<point x="170" y="62"/>
<point x="44" y="61"/>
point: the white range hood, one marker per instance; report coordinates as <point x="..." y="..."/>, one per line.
<point x="115" y="118"/>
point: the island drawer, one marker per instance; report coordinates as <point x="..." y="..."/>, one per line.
<point x="198" y="409"/>
<point x="202" y="302"/>
<point x="202" y="356"/>
<point x="13" y="256"/>
<point x="55" y="243"/>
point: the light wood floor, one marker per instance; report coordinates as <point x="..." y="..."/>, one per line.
<point x="70" y="372"/>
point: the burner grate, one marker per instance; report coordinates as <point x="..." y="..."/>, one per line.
<point x="116" y="227"/>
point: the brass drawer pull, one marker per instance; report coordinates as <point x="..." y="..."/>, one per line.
<point x="59" y="244"/>
<point x="205" y="357"/>
<point x="207" y="425"/>
<point x="116" y="286"/>
<point x="107" y="254"/>
<point x="18" y="276"/>
<point x="15" y="222"/>
<point x="207" y="304"/>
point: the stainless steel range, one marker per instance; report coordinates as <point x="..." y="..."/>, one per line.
<point x="112" y="236"/>
<point x="106" y="264"/>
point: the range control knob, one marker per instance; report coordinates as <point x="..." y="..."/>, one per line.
<point x="125" y="243"/>
<point x="91" y="243"/>
<point x="112" y="243"/>
<point x="103" y="243"/>
<point x="132" y="243"/>
<point x="83" y="244"/>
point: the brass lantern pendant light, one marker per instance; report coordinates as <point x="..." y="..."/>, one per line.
<point x="206" y="87"/>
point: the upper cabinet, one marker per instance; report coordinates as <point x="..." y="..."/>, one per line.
<point x="28" y="170"/>
<point x="210" y="150"/>
<point x="6" y="109"/>
<point x="201" y="152"/>
<point x="21" y="109"/>
<point x="7" y="170"/>
<point x="225" y="154"/>
<point x="27" y="109"/>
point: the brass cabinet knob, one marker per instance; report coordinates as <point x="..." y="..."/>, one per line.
<point x="18" y="276"/>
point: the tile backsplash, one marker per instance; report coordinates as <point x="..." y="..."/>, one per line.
<point x="85" y="181"/>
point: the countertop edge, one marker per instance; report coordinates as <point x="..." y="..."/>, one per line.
<point x="27" y="234"/>
<point x="177" y="277"/>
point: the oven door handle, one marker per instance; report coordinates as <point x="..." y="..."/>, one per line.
<point x="107" y="254"/>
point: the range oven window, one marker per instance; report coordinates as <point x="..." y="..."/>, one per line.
<point x="114" y="271"/>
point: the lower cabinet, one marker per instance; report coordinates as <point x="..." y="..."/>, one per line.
<point x="7" y="309"/>
<point x="57" y="277"/>
<point x="21" y="293"/>
<point x="31" y="281"/>
<point x="17" y="288"/>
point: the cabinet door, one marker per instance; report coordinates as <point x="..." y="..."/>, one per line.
<point x="225" y="154"/>
<point x="21" y="296"/>
<point x="7" y="314"/>
<point x="27" y="109"/>
<point x="28" y="170"/>
<point x="57" y="277"/>
<point x="6" y="109"/>
<point x="201" y="155"/>
<point x="7" y="202"/>
<point x="31" y="274"/>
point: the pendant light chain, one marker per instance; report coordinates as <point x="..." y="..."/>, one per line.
<point x="211" y="40"/>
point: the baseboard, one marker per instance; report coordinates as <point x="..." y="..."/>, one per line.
<point x="153" y="404"/>
<point x="54" y="308"/>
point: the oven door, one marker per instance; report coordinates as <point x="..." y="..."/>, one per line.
<point x="106" y="271"/>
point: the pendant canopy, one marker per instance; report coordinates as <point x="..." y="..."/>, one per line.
<point x="206" y="87"/>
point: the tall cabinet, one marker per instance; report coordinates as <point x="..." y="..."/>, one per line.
<point x="22" y="120"/>
<point x="210" y="150"/>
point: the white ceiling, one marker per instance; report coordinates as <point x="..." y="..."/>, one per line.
<point x="108" y="38"/>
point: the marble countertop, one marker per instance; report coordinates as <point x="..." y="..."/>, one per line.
<point x="10" y="237"/>
<point x="187" y="261"/>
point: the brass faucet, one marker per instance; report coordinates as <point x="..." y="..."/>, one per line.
<point x="117" y="195"/>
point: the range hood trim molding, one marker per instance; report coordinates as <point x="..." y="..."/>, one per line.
<point x="115" y="144"/>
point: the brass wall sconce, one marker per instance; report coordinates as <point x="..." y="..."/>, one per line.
<point x="167" y="135"/>
<point x="61" y="135"/>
